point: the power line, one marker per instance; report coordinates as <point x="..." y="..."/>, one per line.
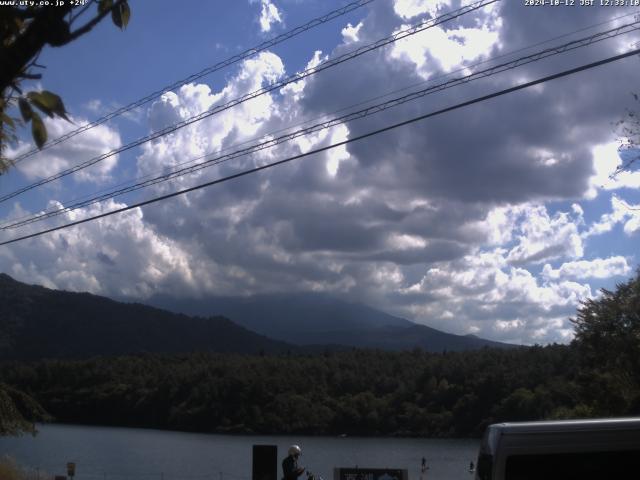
<point x="335" y="145"/>
<point x="78" y="202"/>
<point x="218" y="66"/>
<point x="374" y="109"/>
<point x="273" y="86"/>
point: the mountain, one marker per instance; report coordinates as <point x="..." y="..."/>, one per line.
<point x="36" y="322"/>
<point x="314" y="319"/>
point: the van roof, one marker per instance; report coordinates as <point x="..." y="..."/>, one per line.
<point x="632" y="423"/>
<point x="535" y="432"/>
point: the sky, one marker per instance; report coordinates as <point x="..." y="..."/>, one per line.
<point x="497" y="219"/>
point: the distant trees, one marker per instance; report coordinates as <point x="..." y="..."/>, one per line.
<point x="356" y="392"/>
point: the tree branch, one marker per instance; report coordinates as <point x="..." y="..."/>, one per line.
<point x="87" y="27"/>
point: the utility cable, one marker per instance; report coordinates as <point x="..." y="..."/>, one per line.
<point x="335" y="145"/>
<point x="374" y="109"/>
<point x="218" y="66"/>
<point x="12" y="223"/>
<point x="276" y="85"/>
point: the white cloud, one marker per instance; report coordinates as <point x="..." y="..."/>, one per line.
<point x="269" y="14"/>
<point x="621" y="212"/>
<point x="498" y="227"/>
<point x="294" y="91"/>
<point x="119" y="255"/>
<point x="412" y="8"/>
<point x="449" y="48"/>
<point x="482" y="294"/>
<point x="78" y="149"/>
<point x="94" y="106"/>
<point x="350" y="33"/>
<point x="597" y="268"/>
<point x="543" y="237"/>
<point x="606" y="160"/>
<point x="214" y="133"/>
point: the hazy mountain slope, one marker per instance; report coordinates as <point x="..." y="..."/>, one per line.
<point x="314" y="319"/>
<point x="279" y="315"/>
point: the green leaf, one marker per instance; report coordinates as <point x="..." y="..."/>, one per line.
<point x="105" y="6"/>
<point x="121" y="15"/>
<point x="38" y="130"/>
<point x="25" y="109"/>
<point x="49" y="103"/>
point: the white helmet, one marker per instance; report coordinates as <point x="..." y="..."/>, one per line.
<point x="295" y="450"/>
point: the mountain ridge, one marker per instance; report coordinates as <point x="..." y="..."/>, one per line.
<point x="37" y="322"/>
<point x="326" y="320"/>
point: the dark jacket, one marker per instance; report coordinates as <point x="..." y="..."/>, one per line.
<point x="290" y="468"/>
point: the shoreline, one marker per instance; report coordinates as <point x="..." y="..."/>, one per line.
<point x="235" y="433"/>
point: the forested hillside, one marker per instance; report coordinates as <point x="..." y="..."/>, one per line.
<point x="358" y="392"/>
<point x="37" y="322"/>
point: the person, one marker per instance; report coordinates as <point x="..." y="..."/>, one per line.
<point x="472" y="467"/>
<point x="290" y="468"/>
<point x="423" y="469"/>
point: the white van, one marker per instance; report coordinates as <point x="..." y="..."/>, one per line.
<point x="604" y="449"/>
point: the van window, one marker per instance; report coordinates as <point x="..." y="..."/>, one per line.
<point x="570" y="466"/>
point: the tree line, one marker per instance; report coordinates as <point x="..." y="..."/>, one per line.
<point x="359" y="392"/>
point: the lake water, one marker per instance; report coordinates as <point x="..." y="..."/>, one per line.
<point x="104" y="453"/>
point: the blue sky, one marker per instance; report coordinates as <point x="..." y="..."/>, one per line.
<point x="495" y="220"/>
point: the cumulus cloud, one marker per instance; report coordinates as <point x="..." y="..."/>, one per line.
<point x="596" y="268"/>
<point x="409" y="222"/>
<point x="482" y="294"/>
<point x="542" y="237"/>
<point x="350" y="32"/>
<point x="473" y="222"/>
<point x="117" y="255"/>
<point x="269" y="14"/>
<point x="412" y="8"/>
<point x="78" y="149"/>
<point x="607" y="158"/>
<point x="448" y="48"/>
<point x="621" y="213"/>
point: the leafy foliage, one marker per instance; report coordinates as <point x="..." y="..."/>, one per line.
<point x="24" y="31"/>
<point x="629" y="131"/>
<point x="608" y="334"/>
<point x="18" y="412"/>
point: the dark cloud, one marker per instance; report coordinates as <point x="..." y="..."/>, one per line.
<point x="408" y="220"/>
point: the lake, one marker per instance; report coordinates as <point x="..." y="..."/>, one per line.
<point x="105" y="453"/>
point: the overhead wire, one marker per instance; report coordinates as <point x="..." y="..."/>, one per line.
<point x="421" y="26"/>
<point x="374" y="109"/>
<point x="350" y="7"/>
<point x="12" y="222"/>
<point x="379" y="131"/>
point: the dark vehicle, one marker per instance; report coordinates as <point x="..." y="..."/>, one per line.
<point x="568" y="449"/>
